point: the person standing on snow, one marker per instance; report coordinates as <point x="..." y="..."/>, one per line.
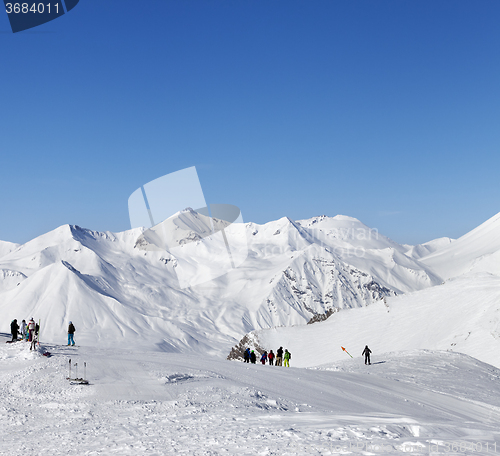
<point x="253" y="358"/>
<point x="270" y="357"/>
<point x="279" y="356"/>
<point x="287" y="358"/>
<point x="24" y="327"/>
<point x="14" y="328"/>
<point x="263" y="358"/>
<point x="366" y="352"/>
<point x="31" y="330"/>
<point x="246" y="356"/>
<point x="71" y="332"/>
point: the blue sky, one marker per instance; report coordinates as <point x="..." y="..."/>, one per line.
<point x="387" y="111"/>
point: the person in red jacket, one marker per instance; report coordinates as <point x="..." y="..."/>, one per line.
<point x="270" y="357"/>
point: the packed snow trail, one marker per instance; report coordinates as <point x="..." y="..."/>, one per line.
<point x="157" y="403"/>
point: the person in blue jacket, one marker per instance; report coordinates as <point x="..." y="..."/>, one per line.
<point x="263" y="358"/>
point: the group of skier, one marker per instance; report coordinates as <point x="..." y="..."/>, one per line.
<point x="282" y="358"/>
<point x="249" y="356"/>
<point x="29" y="331"/>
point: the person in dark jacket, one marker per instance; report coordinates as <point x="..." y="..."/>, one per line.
<point x="270" y="357"/>
<point x="71" y="332"/>
<point x="253" y="358"/>
<point x="366" y="352"/>
<point x="14" y="328"/>
<point x="279" y="356"/>
<point x="246" y="356"/>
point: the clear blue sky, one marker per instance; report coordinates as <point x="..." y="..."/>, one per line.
<point x="387" y="111"/>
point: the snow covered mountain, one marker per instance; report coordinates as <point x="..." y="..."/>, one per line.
<point x="114" y="290"/>
<point x="476" y="251"/>
<point x="461" y="315"/>
<point x="7" y="247"/>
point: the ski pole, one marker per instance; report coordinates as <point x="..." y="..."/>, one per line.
<point x="346" y="351"/>
<point x="84" y="370"/>
<point x="69" y="378"/>
<point x="76" y="368"/>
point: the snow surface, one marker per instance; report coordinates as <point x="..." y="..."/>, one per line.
<point x="153" y="403"/>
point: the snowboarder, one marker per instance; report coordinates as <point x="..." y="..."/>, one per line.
<point x="253" y="358"/>
<point x="270" y="357"/>
<point x="263" y="358"/>
<point x="14" y="328"/>
<point x="24" y="327"/>
<point x="31" y="330"/>
<point x="71" y="332"/>
<point x="279" y="356"/>
<point x="246" y="356"/>
<point x="288" y="356"/>
<point x="366" y="352"/>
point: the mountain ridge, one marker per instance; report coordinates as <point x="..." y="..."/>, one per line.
<point x="295" y="271"/>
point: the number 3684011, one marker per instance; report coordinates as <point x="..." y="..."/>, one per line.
<point x="25" y="8"/>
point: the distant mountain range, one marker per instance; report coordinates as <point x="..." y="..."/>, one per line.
<point x="117" y="291"/>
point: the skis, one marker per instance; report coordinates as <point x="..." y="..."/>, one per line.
<point x="76" y="380"/>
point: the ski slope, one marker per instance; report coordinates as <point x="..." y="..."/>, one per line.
<point x="154" y="403"/>
<point x="461" y="315"/>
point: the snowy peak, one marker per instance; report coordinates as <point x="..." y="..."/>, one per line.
<point x="476" y="251"/>
<point x="7" y="247"/>
<point x="422" y="250"/>
<point x="342" y="231"/>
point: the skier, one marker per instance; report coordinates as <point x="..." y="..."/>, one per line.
<point x="34" y="338"/>
<point x="71" y="332"/>
<point x="270" y="357"/>
<point x="366" y="352"/>
<point x="31" y="330"/>
<point x="14" y="328"/>
<point x="24" y="326"/>
<point x="279" y="356"/>
<point x="288" y="356"/>
<point x="246" y="356"/>
<point x="263" y="358"/>
<point x="253" y="358"/>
